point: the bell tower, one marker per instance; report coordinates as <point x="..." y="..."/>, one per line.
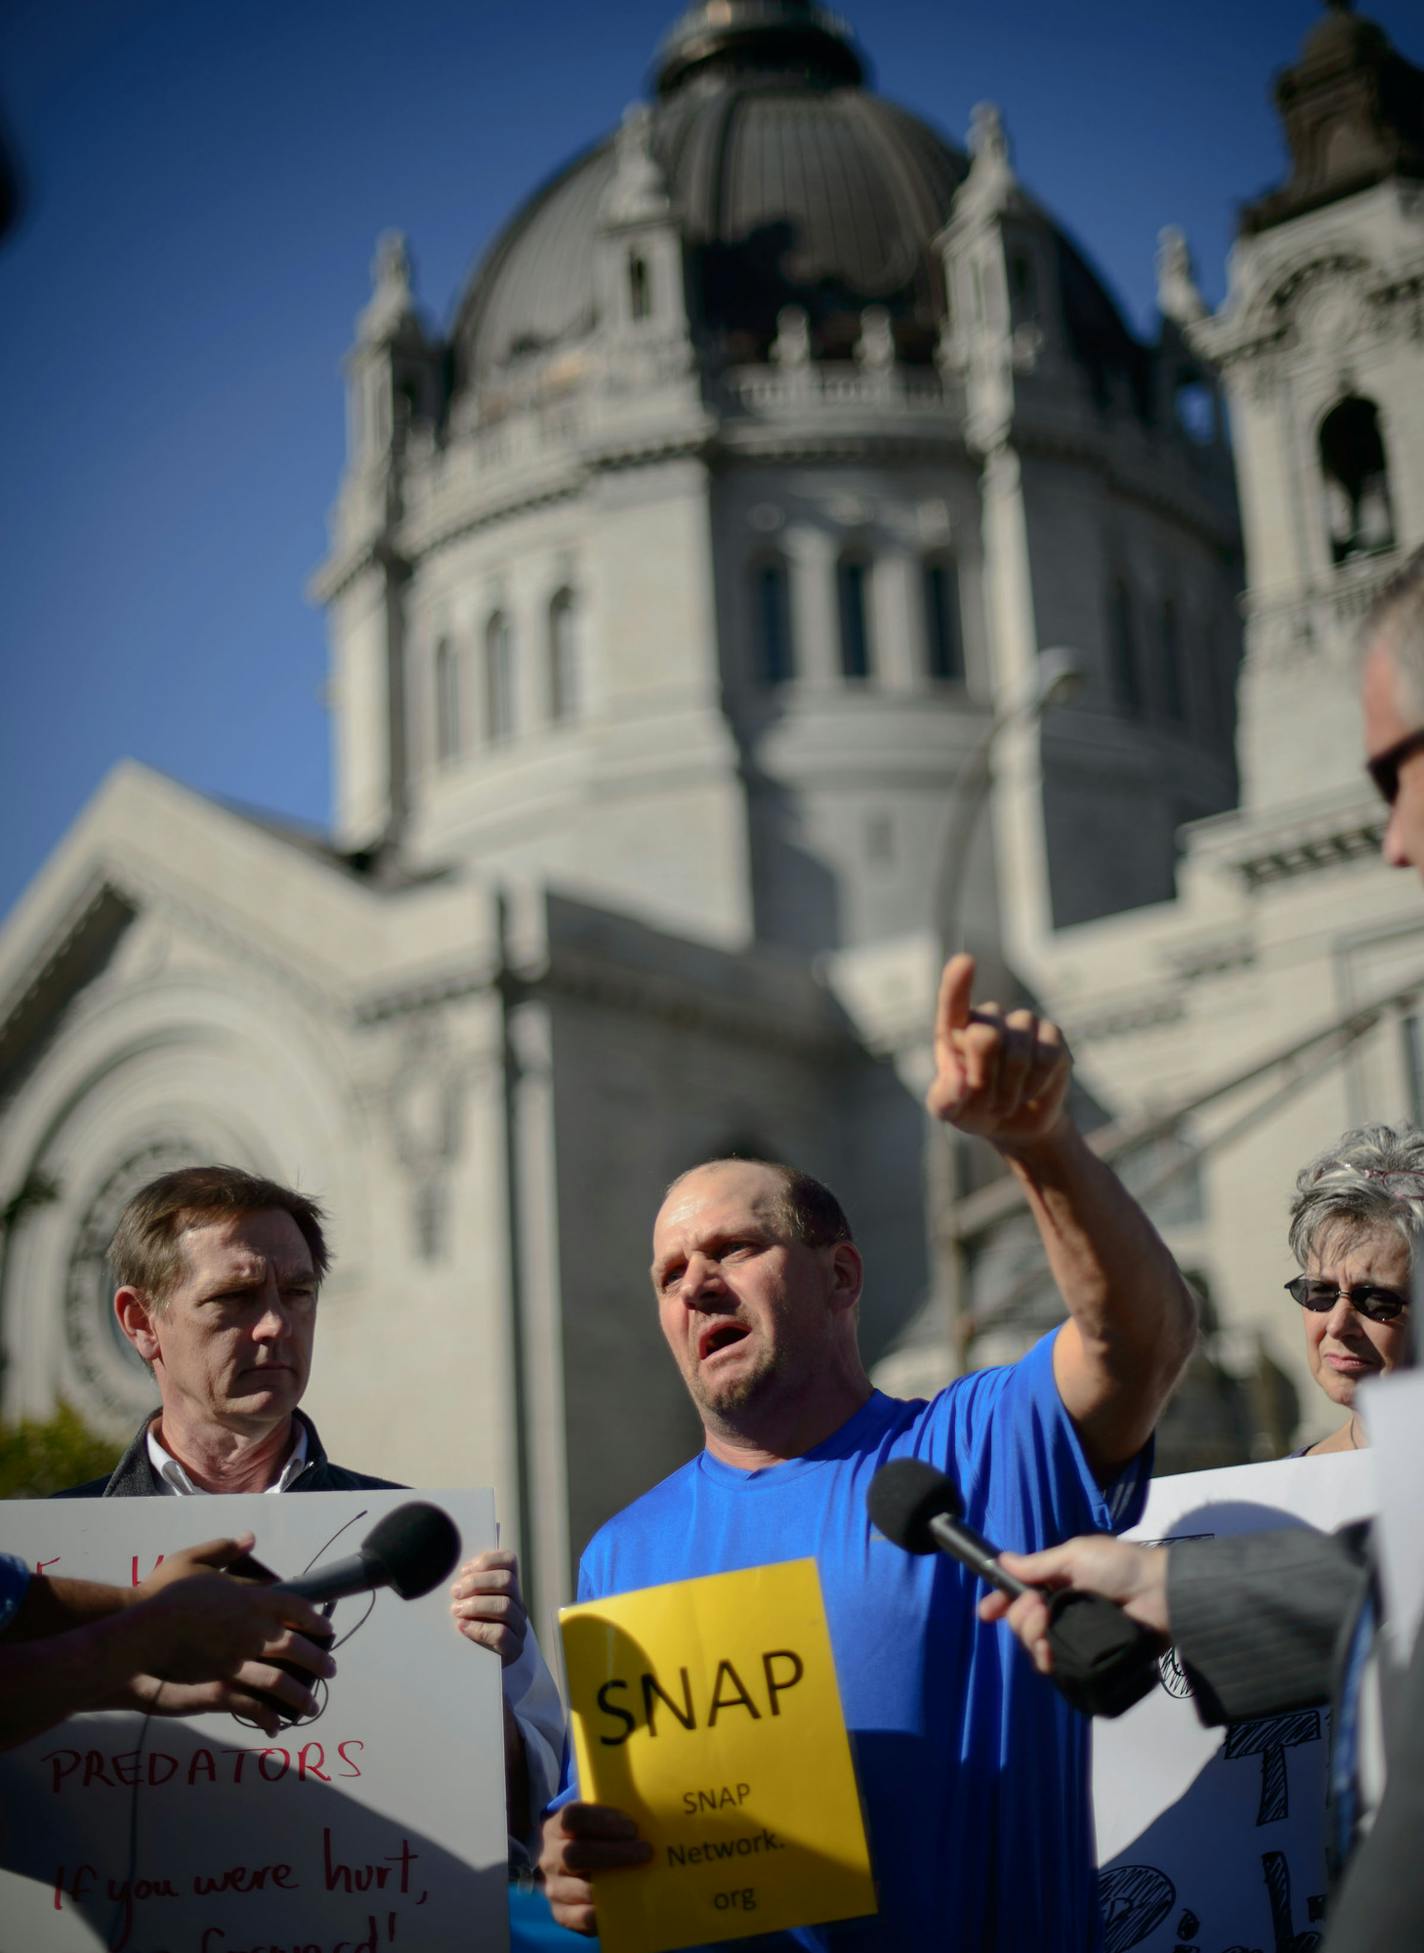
<point x="1320" y="345"/>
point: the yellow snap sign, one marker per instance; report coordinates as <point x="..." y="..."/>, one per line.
<point x="708" y="1710"/>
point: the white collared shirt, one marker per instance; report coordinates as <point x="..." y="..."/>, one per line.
<point x="177" y="1480"/>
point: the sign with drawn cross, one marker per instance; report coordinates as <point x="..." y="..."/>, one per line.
<point x="1212" y="1840"/>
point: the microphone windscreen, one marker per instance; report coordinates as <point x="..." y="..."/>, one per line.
<point x="903" y="1498"/>
<point x="415" y="1547"/>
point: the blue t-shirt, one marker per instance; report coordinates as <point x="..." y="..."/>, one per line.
<point x="973" y="1770"/>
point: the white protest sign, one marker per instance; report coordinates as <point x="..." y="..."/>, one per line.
<point x="377" y="1828"/>
<point x="1213" y="1839"/>
<point x="1393" y="1413"/>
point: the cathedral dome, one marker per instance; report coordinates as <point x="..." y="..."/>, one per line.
<point x="1341" y="37"/>
<point x="792" y="184"/>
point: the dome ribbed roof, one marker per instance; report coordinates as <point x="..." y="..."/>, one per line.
<point x="791" y="182"/>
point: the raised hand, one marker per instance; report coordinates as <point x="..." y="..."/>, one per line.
<point x="1002" y="1076"/>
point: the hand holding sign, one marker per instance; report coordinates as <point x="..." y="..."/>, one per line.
<point x="707" y="1721"/>
<point x="583" y="1842"/>
<point x="488" y="1606"/>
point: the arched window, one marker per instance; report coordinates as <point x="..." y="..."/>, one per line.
<point x="640" y="287"/>
<point x="449" y="704"/>
<point x="944" y="649"/>
<point x="1174" y="679"/>
<point x="775" y="652"/>
<point x="1194" y="407"/>
<point x="499" y="679"/>
<point x="1358" y="511"/>
<point x="1023" y="289"/>
<point x="566" y="675"/>
<point x="853" y="611"/>
<point x="1122" y="649"/>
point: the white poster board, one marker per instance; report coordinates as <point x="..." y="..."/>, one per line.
<point x="378" y="1828"/>
<point x="1213" y="1839"/>
<point x="1393" y="1413"/>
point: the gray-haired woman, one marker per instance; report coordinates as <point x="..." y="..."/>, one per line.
<point x="1357" y="1214"/>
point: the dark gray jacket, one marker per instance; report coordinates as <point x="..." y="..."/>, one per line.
<point x="134" y="1477"/>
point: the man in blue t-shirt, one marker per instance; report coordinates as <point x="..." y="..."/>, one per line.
<point x="973" y="1773"/>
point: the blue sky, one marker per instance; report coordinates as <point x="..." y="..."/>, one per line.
<point x="205" y="182"/>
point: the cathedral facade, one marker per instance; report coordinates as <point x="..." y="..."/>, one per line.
<point x="789" y="561"/>
<point x="1280" y="999"/>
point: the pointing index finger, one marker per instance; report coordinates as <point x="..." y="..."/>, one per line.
<point x="956" y="987"/>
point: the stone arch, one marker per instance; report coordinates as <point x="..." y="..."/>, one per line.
<point x="1124" y="666"/>
<point x="171" y="1069"/>
<point x="640" y="287"/>
<point x="1354" y="472"/>
<point x="568" y="675"/>
<point x="853" y="577"/>
<point x="449" y="702"/>
<point x="773" y="636"/>
<point x="943" y="626"/>
<point x="499" y="679"/>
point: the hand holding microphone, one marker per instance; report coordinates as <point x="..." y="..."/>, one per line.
<point x="410" y="1551"/>
<point x="1099" y="1648"/>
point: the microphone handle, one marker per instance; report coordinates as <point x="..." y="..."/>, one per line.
<point x="962" y="1543"/>
<point x="360" y="1574"/>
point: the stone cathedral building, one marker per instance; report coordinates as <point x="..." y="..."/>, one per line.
<point x="700" y="608"/>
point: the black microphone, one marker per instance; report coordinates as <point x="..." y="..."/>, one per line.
<point x="1102" y="1661"/>
<point x="411" y="1550"/>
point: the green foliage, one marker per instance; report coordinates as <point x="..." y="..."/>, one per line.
<point x="38" y="1457"/>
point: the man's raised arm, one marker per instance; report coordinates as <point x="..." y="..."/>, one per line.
<point x="1132" y="1319"/>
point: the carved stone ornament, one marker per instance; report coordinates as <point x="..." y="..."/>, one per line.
<point x="112" y="1378"/>
<point x="1332" y="314"/>
<point x="991" y="185"/>
<point x="392" y="303"/>
<point x="792" y="346"/>
<point x="1297" y="298"/>
<point x="637" y="192"/>
<point x="425" y="1101"/>
<point x="875" y="348"/>
<point x="426" y="1105"/>
<point x="1178" y="295"/>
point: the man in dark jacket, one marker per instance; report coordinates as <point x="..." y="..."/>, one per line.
<point x="217" y="1274"/>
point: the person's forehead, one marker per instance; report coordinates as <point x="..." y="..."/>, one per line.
<point x="715" y="1197"/>
<point x="238" y="1242"/>
<point x="1371" y="1243"/>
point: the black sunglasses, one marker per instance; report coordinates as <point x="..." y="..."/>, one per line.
<point x="1384" y="767"/>
<point x="1379" y="1304"/>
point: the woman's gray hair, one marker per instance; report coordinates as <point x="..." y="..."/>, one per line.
<point x="1371" y="1177"/>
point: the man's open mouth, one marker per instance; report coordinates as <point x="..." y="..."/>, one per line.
<point x="718" y="1336"/>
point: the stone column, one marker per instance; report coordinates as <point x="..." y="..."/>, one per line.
<point x="896" y="623"/>
<point x="811" y="560"/>
<point x="1020" y="842"/>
